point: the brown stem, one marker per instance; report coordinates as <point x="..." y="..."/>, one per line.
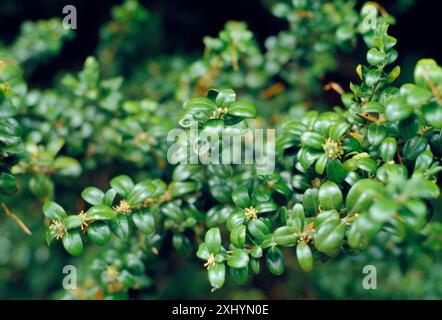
<point x="17" y="220"/>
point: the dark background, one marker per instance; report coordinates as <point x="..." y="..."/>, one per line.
<point x="185" y="23"/>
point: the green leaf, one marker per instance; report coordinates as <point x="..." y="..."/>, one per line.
<point x="50" y="236"/>
<point x="274" y="260"/>
<point x="72" y="243"/>
<point x="66" y="166"/>
<point x="53" y="211"/>
<point x="122" y="184"/>
<point x="427" y="70"/>
<point x="398" y="109"/>
<point x="144" y="221"/>
<point x="337" y="130"/>
<point x="311" y="201"/>
<point x="286" y="236"/>
<point x="305" y="257"/>
<point x="417" y="96"/>
<point x="414" y="147"/>
<point x="383" y="210"/>
<point x="254" y="263"/>
<point x="282" y="188"/>
<point x="366" y="226"/>
<point x="100" y="212"/>
<point x="373" y="106"/>
<point x="199" y="107"/>
<point x="321" y="164"/>
<point x="313" y="140"/>
<point x="393" y="74"/>
<point x="335" y="171"/>
<point x="367" y="164"/>
<point x="324" y="216"/>
<point x="376" y="134"/>
<point x="41" y="186"/>
<point x="236" y="218"/>
<point x="415" y="214"/>
<point x="217" y="275"/>
<point x="99" y="233"/>
<point x="120" y="226"/>
<point x="307" y="156"/>
<point x="213" y="240"/>
<point x="267" y="206"/>
<point x="238" y="236"/>
<point x="7" y="184"/>
<point x="240" y="197"/>
<point x="140" y="192"/>
<point x="258" y="229"/>
<point x="389" y="170"/>
<point x="180" y="188"/>
<point x="109" y="197"/>
<point x="330" y="236"/>
<point x="372" y="77"/>
<point x="225" y="98"/>
<point x="356" y="239"/>
<point x="183" y="172"/>
<point x="418" y="187"/>
<point x="387" y="149"/>
<point x="433" y="114"/>
<point x="243" y="109"/>
<point x="330" y="196"/>
<point x="71" y="222"/>
<point x="362" y="194"/>
<point x="240" y="275"/>
<point x="93" y="196"/>
<point x="238" y="259"/>
<point x="423" y="161"/>
<point x="376" y="57"/>
<point x="203" y="252"/>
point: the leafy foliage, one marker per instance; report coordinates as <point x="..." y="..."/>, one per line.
<point x="343" y="179"/>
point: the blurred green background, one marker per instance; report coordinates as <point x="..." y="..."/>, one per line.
<point x="30" y="270"/>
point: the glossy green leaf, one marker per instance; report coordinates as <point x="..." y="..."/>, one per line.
<point x="414" y="146"/>
<point x="53" y="211"/>
<point x="243" y="109"/>
<point x="93" y="196"/>
<point x="335" y="171"/>
<point x="383" y="210"/>
<point x="122" y="184"/>
<point x="238" y="259"/>
<point x="181" y="188"/>
<point x="120" y="226"/>
<point x="72" y="243"/>
<point x="238" y="236"/>
<point x="144" y="221"/>
<point x="72" y="221"/>
<point x="387" y="149"/>
<point x="7" y="184"/>
<point x="240" y="197"/>
<point x="313" y="140"/>
<point x="305" y="257"/>
<point x="329" y="236"/>
<point x="286" y="236"/>
<point x="376" y="134"/>
<point x="258" y="229"/>
<point x="362" y="194"/>
<point x="217" y="275"/>
<point x="376" y="57"/>
<point x="213" y="240"/>
<point x="330" y="196"/>
<point x="311" y="201"/>
<point x="99" y="233"/>
<point x="140" y="192"/>
<point x="100" y="212"/>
